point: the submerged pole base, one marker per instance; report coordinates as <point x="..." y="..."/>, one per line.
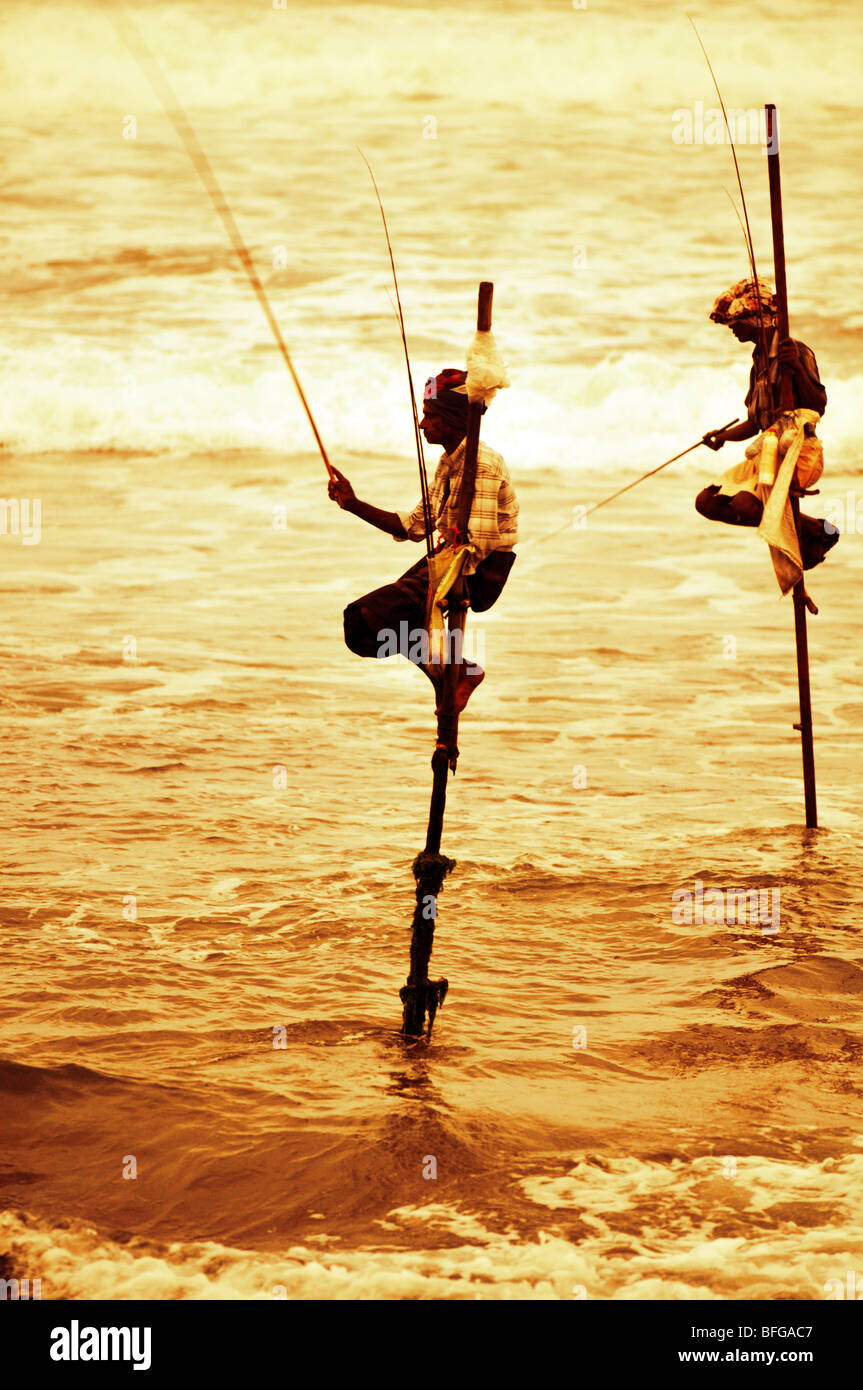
<point x="804" y="724"/>
<point x="419" y="1002"/>
<point x="421" y="996"/>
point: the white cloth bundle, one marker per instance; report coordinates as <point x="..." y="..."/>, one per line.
<point x="486" y="374"/>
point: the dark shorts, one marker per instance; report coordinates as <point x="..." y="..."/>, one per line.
<point x="404" y="602"/>
<point x="743" y="509"/>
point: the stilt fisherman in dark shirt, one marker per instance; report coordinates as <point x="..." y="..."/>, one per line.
<point x="755" y="492"/>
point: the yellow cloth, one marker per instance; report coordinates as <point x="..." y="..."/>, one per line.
<point x="798" y="453"/>
<point x="444" y="572"/>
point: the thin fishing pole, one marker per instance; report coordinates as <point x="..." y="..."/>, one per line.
<point x="567" y="526"/>
<point x="142" y="53"/>
<point x="400" y="315"/>
<point x="742" y="228"/>
<point x="761" y="328"/>
<point x="424" y="488"/>
<point x="762" y="331"/>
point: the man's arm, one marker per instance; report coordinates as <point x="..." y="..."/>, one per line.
<point x="341" y="491"/>
<point x="799" y="361"/>
<point x="714" y="439"/>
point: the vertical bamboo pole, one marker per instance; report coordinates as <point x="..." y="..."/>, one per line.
<point x="421" y="997"/>
<point x="786" y="402"/>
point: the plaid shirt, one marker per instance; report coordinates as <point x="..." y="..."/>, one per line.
<point x="493" y="523"/>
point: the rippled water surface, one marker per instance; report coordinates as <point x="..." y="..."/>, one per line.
<point x="211" y="806"/>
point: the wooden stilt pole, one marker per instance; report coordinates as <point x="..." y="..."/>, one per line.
<point x="786" y="402"/>
<point x="421" y="997"/>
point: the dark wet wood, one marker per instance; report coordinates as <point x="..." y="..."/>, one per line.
<point x="786" y="402"/>
<point x="421" y="997"/>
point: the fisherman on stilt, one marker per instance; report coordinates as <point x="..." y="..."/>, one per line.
<point x="395" y="618"/>
<point x="755" y="492"/>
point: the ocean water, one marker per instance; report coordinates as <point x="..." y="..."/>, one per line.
<point x="212" y="806"/>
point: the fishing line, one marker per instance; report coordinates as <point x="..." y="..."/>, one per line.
<point x="747" y="236"/>
<point x="143" y="55"/>
<point x="740" y="220"/>
<point x="748" y="233"/>
<point x="424" y="487"/>
<point x="568" y="525"/>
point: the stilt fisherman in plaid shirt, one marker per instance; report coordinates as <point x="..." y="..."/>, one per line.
<point x="393" y="618"/>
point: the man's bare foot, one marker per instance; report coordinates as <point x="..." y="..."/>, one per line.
<point x="809" y="603"/>
<point x="471" y="677"/>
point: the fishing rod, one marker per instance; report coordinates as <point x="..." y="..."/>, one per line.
<point x="727" y="192"/>
<point x="750" y="248"/>
<point x="762" y="332"/>
<point x="144" y="56"/>
<point x="424" y="487"/>
<point x="620" y="491"/>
